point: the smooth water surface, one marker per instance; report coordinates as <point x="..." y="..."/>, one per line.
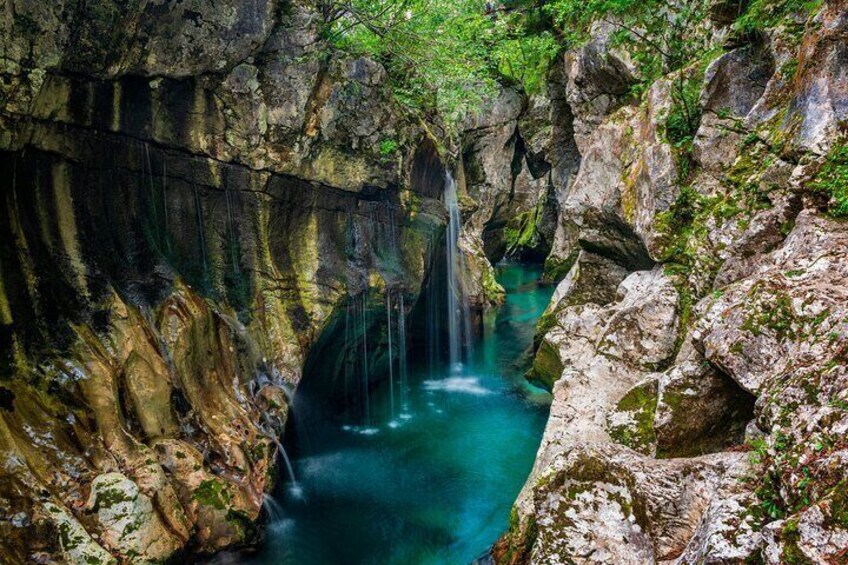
<point x="432" y="483"/>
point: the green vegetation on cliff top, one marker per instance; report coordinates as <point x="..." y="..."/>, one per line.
<point x="444" y="55"/>
<point x="448" y="56"/>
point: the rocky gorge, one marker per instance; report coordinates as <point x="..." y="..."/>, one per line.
<point x="194" y="194"/>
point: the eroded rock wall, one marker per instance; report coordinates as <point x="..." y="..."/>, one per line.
<point x="189" y="190"/>
<point x="517" y="156"/>
<point x="696" y="346"/>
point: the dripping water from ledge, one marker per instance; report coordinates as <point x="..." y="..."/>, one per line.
<point x="432" y="474"/>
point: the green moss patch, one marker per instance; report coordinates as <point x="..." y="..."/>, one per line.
<point x="832" y="180"/>
<point x="639" y="405"/>
<point x="213" y="493"/>
<point x="547" y="366"/>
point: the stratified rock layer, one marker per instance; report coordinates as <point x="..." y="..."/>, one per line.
<point x="190" y="190"/>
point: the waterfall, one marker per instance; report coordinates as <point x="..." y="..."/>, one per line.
<point x="232" y="232"/>
<point x="365" y="376"/>
<point x="391" y="358"/>
<point x="268" y="431"/>
<point x="403" y="369"/>
<point x="458" y="317"/>
<point x="355" y="362"/>
<point x="272" y="508"/>
<point x="294" y="488"/>
<point x="148" y="172"/>
<point x="199" y="215"/>
<point x="165" y="201"/>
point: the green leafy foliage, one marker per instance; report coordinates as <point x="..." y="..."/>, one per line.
<point x="682" y="121"/>
<point x="525" y="59"/>
<point x="832" y="180"/>
<point x="763" y="14"/>
<point x="660" y="37"/>
<point x="388" y="147"/>
<point x="442" y="55"/>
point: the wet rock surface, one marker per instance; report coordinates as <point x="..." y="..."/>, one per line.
<point x="192" y="192"/>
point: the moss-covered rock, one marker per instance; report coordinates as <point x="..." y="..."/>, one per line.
<point x="547" y="366"/>
<point x="631" y="422"/>
<point x="128" y="522"/>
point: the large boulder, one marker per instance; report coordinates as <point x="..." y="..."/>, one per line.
<point x="128" y="522"/>
<point x="781" y="316"/>
<point x="602" y="503"/>
<point x="733" y="84"/>
<point x="819" y="105"/>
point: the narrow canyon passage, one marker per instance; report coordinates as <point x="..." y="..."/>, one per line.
<point x="431" y="483"/>
<point x="279" y="279"/>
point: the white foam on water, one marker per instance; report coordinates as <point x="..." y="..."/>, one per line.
<point x="278" y="528"/>
<point x="466" y="385"/>
<point x="296" y="492"/>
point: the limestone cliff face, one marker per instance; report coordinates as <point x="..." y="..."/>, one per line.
<point x="188" y="191"/>
<point x="696" y="346"/>
<point x="516" y="157"/>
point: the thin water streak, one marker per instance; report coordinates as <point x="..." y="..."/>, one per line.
<point x="458" y="315"/>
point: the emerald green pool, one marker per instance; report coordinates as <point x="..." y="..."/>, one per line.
<point x="435" y="483"/>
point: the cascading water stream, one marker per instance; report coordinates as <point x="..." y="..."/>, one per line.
<point x="273" y="509"/>
<point x="458" y="316"/>
<point x="391" y="358"/>
<point x="201" y="235"/>
<point x="366" y="381"/>
<point x="294" y="487"/>
<point x="148" y="172"/>
<point x="403" y="366"/>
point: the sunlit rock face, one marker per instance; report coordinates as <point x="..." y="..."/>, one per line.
<point x="697" y="353"/>
<point x="188" y="192"/>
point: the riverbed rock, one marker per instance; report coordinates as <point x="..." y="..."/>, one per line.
<point x="76" y="543"/>
<point x="592" y="279"/>
<point x="598" y="368"/>
<point x="797" y="409"/>
<point x="643" y="326"/>
<point x="782" y="315"/>
<point x="694" y="386"/>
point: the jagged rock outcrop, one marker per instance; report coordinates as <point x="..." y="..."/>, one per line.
<point x="698" y="412"/>
<point x="516" y="154"/>
<point x="193" y="190"/>
<point x="507" y="177"/>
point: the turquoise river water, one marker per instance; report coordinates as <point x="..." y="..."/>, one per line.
<point x="434" y="482"/>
